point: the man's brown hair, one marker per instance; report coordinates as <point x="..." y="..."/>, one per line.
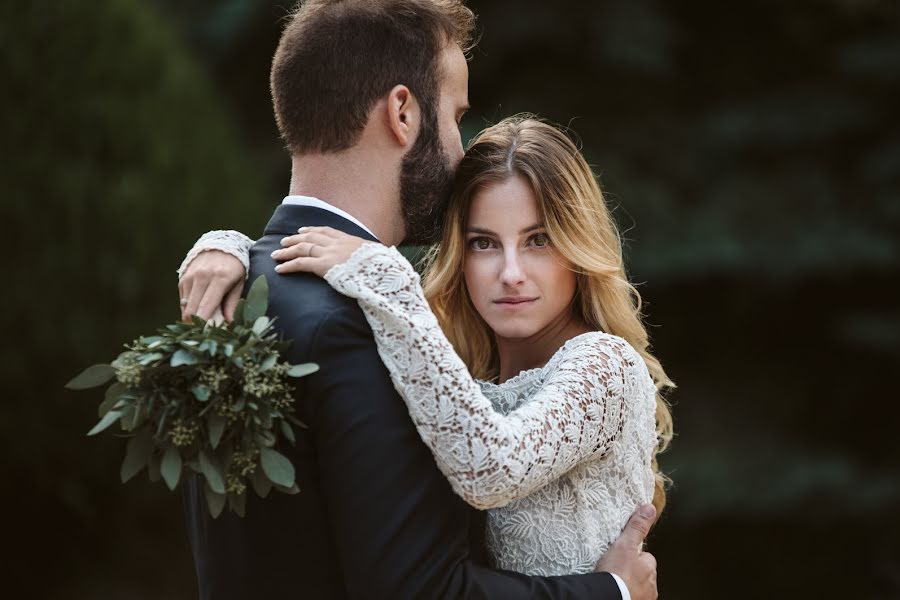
<point x="337" y="58"/>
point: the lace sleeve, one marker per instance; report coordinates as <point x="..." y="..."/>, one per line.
<point x="233" y="242"/>
<point x="490" y="459"/>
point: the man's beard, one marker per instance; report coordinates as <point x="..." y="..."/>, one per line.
<point x="426" y="179"/>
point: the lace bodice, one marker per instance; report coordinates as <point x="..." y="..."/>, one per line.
<point x="559" y="455"/>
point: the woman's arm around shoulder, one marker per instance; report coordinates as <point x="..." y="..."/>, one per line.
<point x="228" y="241"/>
<point x="212" y="274"/>
<point x="490" y="459"/>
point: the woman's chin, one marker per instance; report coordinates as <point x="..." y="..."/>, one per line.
<point x="513" y="331"/>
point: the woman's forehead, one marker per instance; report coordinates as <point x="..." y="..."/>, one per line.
<point x="508" y="205"/>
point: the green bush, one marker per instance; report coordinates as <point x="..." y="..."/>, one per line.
<point x="118" y="154"/>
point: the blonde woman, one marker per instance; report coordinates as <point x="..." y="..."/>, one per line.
<point x="522" y="358"/>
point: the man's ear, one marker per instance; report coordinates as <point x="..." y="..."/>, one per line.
<point x="403" y="114"/>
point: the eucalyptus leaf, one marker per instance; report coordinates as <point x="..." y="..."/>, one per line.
<point x="238" y="504"/>
<point x="265" y="419"/>
<point x="137" y="454"/>
<point x="239" y="311"/>
<point x="201" y="392"/>
<point x="213" y="473"/>
<point x="162" y="424"/>
<point x="288" y="432"/>
<point x="261" y="484"/>
<point x="257" y="300"/>
<point x="137" y="417"/>
<point x="92" y="377"/>
<point x="183" y="357"/>
<point x="215" y="502"/>
<point x="107" y="420"/>
<point x="170" y="468"/>
<point x="296" y="421"/>
<point x="260" y="325"/>
<point x="302" y="370"/>
<point x="216" y="426"/>
<point x="294" y="489"/>
<point x="127" y="417"/>
<point x="266" y="438"/>
<point x="277" y="467"/>
<point x="149" y="358"/>
<point x="113" y="393"/>
<point x="268" y="363"/>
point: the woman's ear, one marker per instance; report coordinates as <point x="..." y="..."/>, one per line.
<point x="403" y="115"/>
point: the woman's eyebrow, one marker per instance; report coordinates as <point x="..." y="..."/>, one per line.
<point x="489" y="232"/>
<point x="532" y="228"/>
<point x="480" y="230"/>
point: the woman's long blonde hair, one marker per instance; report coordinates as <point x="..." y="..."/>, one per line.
<point x="581" y="230"/>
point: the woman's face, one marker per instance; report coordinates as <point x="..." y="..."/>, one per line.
<point x="517" y="282"/>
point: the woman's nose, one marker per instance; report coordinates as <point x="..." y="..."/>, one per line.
<point x="513" y="273"/>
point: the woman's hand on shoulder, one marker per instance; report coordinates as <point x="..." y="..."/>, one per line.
<point x="315" y="250"/>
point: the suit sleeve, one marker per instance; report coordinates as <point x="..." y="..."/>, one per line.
<point x="399" y="530"/>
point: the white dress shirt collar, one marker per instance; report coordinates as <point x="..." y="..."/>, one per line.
<point x="315" y="202"/>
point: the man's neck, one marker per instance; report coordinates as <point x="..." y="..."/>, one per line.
<point x="355" y="184"/>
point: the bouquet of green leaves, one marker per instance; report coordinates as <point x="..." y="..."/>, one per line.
<point x="200" y="397"/>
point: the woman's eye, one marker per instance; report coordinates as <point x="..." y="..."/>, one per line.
<point x="540" y="240"/>
<point x="480" y="243"/>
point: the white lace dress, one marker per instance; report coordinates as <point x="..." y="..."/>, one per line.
<point x="558" y="455"/>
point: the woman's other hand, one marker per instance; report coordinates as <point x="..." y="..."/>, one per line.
<point x="315" y="250"/>
<point x="211" y="280"/>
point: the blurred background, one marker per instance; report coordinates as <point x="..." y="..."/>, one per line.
<point x="750" y="150"/>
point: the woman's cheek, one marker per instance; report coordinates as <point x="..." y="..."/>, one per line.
<point x="542" y="267"/>
<point x="474" y="272"/>
<point x="556" y="277"/>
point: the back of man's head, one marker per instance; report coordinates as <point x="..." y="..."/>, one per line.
<point x="337" y="58"/>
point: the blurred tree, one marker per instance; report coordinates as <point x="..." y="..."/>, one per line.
<point x="118" y="155"/>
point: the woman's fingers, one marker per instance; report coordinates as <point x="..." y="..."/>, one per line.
<point x="194" y="297"/>
<point x="231" y="301"/>
<point x="315" y="250"/>
<point x="314" y="237"/>
<point x="317" y="235"/>
<point x="212" y="299"/>
<point x="303" y="264"/>
<point x="326" y="231"/>
<point x="309" y="244"/>
<point x="301" y="249"/>
<point x="184" y="290"/>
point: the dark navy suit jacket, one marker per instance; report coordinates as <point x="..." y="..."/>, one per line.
<point x="375" y="518"/>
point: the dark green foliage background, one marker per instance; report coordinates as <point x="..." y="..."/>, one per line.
<point x="751" y="152"/>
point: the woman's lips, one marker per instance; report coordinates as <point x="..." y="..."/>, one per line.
<point x="515" y="301"/>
